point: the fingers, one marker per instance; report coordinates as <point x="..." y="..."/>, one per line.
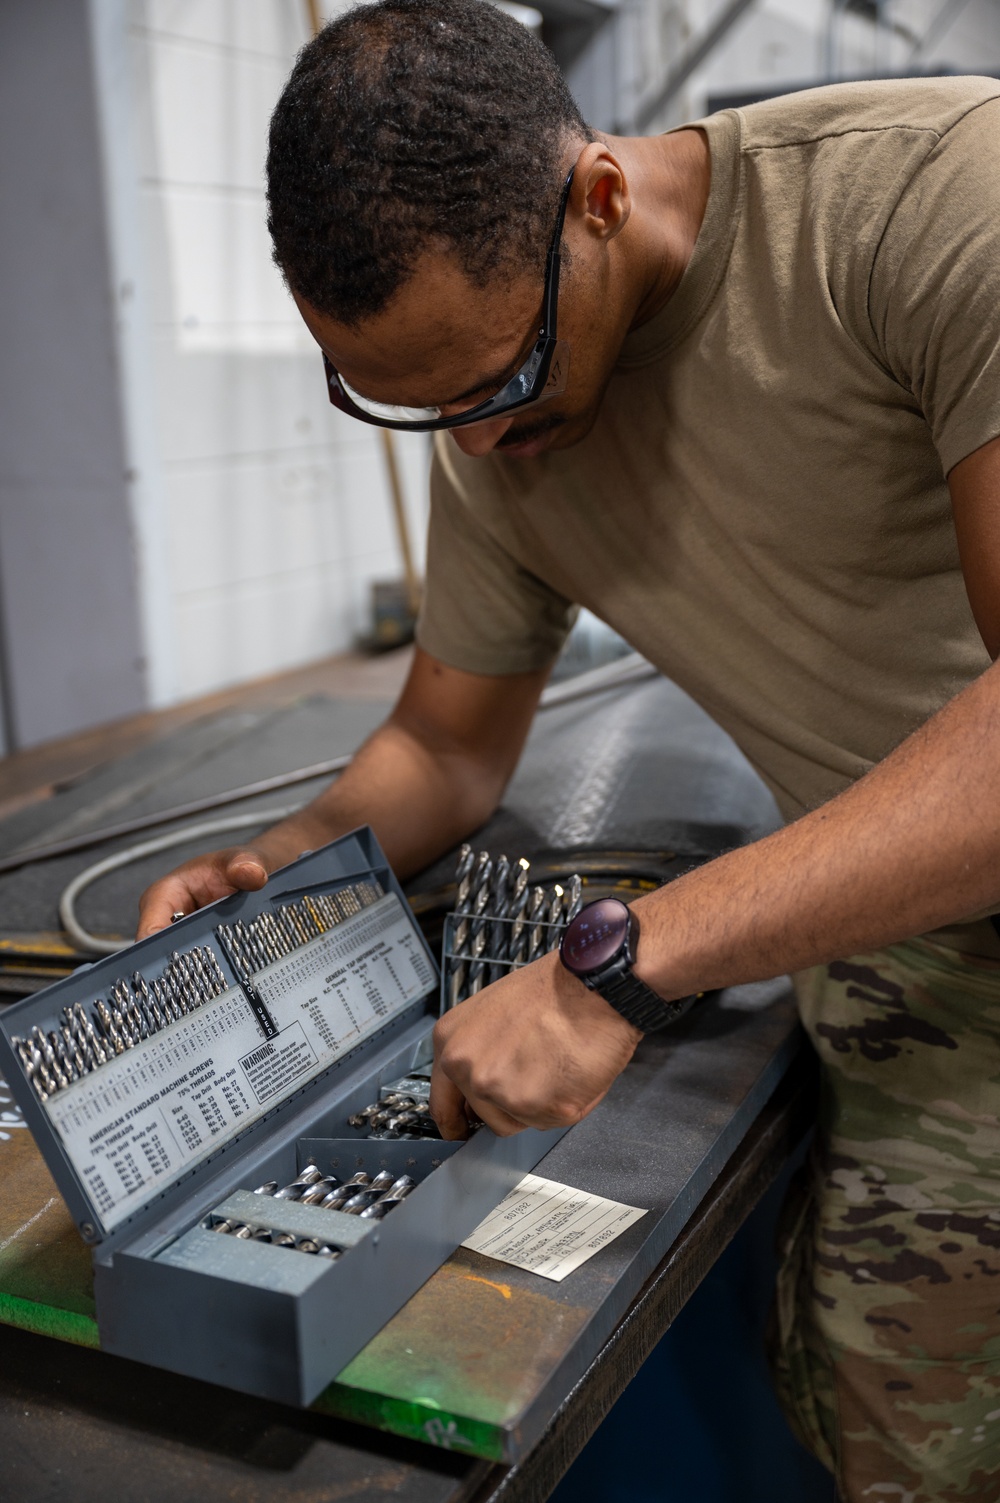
<point x="447" y="1106"/>
<point x="246" y="871"/>
<point x="454" y="1107"/>
<point x="456" y="1115"/>
<point x="160" y="902"/>
<point x="198" y="882"/>
<point x="496" y="1119"/>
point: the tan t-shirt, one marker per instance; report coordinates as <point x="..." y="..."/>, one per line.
<point x="761" y="507"/>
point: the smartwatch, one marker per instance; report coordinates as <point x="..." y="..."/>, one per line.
<point x="598" y="947"/>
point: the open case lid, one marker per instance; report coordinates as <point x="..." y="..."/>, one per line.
<point x="260" y="1036"/>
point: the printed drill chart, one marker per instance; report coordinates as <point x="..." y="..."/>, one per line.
<point x="147" y="1116"/>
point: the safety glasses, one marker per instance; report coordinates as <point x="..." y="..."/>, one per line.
<point x="542" y="376"/>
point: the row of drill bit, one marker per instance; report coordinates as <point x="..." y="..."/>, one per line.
<point x="278" y="1239"/>
<point x="134" y="1010"/>
<point x="288" y="926"/>
<point x="362" y="1195"/>
<point x="500" y="922"/>
<point x="397" y="1114"/>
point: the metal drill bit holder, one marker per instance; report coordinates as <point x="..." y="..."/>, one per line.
<point x="500" y="922"/>
<point x="506" y="945"/>
<point x="165" y="1085"/>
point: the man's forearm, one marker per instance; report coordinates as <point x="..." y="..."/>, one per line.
<point x="913" y="845"/>
<point x="419" y="800"/>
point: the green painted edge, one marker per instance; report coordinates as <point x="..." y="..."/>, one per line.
<point x="45" y="1320"/>
<point x="416" y="1421"/>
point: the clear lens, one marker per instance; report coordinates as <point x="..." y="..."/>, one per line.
<point x="388" y="412"/>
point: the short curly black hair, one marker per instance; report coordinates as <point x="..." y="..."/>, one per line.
<point x="410" y="122"/>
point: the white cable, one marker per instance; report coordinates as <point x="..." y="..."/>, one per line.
<point x="92" y="943"/>
<point x="608" y="676"/>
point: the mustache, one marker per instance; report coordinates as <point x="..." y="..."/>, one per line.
<point x="530" y="431"/>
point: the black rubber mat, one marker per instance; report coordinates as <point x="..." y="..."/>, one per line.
<point x="639" y="768"/>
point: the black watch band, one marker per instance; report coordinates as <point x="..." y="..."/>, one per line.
<point x="639" y="1004"/>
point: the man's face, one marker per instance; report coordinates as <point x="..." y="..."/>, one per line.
<point x="444" y="342"/>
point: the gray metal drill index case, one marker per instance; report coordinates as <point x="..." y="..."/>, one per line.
<point x="254" y="1316"/>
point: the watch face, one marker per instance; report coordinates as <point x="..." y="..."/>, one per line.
<point x="595" y="936"/>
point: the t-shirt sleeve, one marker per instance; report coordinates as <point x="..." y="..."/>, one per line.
<point x="935" y="287"/>
<point x="482" y="611"/>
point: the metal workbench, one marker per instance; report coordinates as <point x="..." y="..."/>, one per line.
<point x="485" y="1359"/>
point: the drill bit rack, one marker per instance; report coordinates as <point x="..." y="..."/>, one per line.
<point x="197" y="1098"/>
<point x="134" y="1010"/>
<point x="500" y="922"/>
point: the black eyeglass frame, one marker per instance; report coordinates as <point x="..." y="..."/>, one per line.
<point x="542" y="376"/>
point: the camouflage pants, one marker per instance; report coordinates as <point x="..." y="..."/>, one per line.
<point x="886" y="1331"/>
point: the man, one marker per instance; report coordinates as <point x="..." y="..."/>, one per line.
<point x="753" y="421"/>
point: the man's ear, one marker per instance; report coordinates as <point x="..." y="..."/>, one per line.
<point x="600" y="194"/>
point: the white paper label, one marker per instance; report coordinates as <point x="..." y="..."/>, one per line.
<point x="550" y="1229"/>
<point x="137" y="1124"/>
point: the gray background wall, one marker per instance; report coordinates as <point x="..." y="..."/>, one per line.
<point x="180" y="507"/>
<point x="71" y="649"/>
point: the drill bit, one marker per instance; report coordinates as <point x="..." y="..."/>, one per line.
<point x="500" y="901"/>
<point x="335" y="910"/>
<point x="315" y="916"/>
<point x="360" y="1179"/>
<point x="555" y="918"/>
<point x="86" y="1027"/>
<point x="470" y="924"/>
<point x="72" y="1053"/>
<point x="455" y="980"/>
<point x="318" y="1192"/>
<point x="309" y="1176"/>
<point x="145" y="1002"/>
<point x="482" y="872"/>
<point x="358" y="1203"/>
<point x="536" y="919"/>
<point x="477" y="969"/>
<point x="516" y="905"/>
<point x="463" y="877"/>
<point x="478" y="931"/>
<point x="298" y="923"/>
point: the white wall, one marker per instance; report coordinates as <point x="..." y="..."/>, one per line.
<point x="262" y="515"/>
<point x="273" y="510"/>
<point x="787" y="42"/>
<point x="70" y="640"/>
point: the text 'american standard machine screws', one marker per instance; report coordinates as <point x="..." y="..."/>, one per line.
<point x="133" y="1010"/>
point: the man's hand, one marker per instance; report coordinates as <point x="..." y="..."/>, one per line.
<point x="201" y="881"/>
<point x="535" y="1049"/>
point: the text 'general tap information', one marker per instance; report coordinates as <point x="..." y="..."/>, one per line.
<point x="140" y="1122"/>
